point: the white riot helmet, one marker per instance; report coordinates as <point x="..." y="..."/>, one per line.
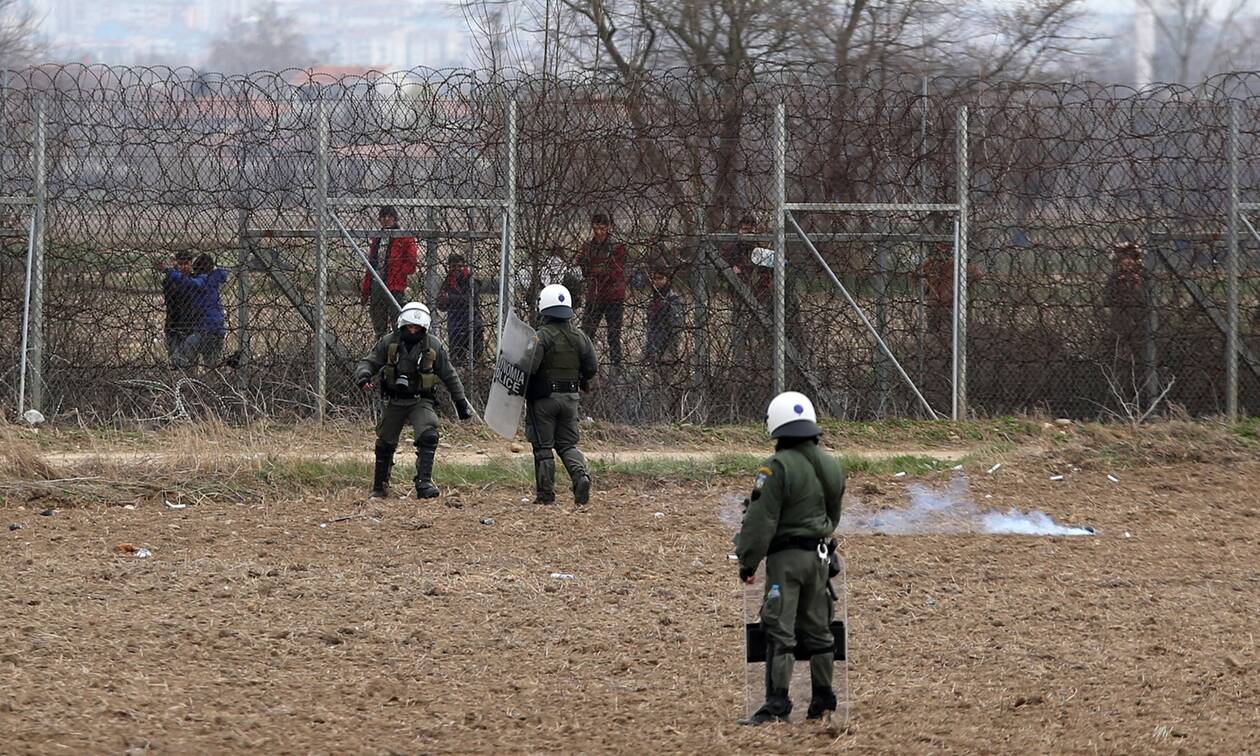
<point x="791" y="415"/>
<point x="555" y="301"/>
<point x="415" y="313"/>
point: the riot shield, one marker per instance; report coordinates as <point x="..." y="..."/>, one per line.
<point x="799" y="690"/>
<point x="511" y="372"/>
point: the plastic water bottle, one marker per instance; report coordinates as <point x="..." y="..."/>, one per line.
<point x="773" y="597"/>
<point x="763" y="257"/>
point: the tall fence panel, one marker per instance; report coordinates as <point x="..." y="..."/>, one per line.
<point x="1096" y="225"/>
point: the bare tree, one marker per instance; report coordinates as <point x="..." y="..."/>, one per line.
<point x="18" y="45"/>
<point x="1199" y="38"/>
<point x="520" y="35"/>
<point x="728" y="44"/>
<point x="267" y="40"/>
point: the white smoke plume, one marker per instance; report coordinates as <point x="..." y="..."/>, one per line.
<point x="950" y="510"/>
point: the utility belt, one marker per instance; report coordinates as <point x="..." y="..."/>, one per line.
<point x="804" y="543"/>
<point x="405" y="394"/>
<point x="542" y="388"/>
<point x="826" y="551"/>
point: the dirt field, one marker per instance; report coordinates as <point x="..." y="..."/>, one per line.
<point x="319" y="623"/>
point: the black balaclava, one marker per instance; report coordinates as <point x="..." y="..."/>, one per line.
<point x="789" y="442"/>
<point x="411" y="339"/>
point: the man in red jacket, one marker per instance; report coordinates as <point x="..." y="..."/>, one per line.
<point x="603" y="264"/>
<point x="393" y="261"/>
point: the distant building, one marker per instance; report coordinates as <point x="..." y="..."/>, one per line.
<point x="360" y="33"/>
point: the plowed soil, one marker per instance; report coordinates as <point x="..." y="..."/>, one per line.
<point x="332" y="625"/>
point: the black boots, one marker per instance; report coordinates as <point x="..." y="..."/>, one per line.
<point x="426" y="450"/>
<point x="544" y="477"/>
<point x="582" y="489"/>
<point x="380" y="476"/>
<point x="776" y="709"/>
<point x="822" y="703"/>
<point x="778" y="677"/>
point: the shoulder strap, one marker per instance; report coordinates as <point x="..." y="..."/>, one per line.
<point x="815" y="461"/>
<point x="391" y="355"/>
<point x="565" y="334"/>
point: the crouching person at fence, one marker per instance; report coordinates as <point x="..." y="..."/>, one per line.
<point x="407" y="364"/>
<point x="564" y="364"/>
<point x="793" y="508"/>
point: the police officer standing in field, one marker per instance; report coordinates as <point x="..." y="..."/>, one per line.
<point x="564" y="364"/>
<point x="793" y="509"/>
<point x="408" y="364"/>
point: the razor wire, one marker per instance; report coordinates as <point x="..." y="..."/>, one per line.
<point x="1097" y="234"/>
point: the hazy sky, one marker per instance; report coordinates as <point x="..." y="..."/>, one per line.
<point x="380" y="33"/>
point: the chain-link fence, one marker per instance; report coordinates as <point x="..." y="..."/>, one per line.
<point x="1095" y="226"/>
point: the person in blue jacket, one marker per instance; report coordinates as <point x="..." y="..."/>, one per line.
<point x="180" y="318"/>
<point x="205" y="343"/>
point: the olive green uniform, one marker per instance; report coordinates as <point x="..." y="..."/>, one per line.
<point x="564" y="361"/>
<point x="423" y="364"/>
<point x="794" y="506"/>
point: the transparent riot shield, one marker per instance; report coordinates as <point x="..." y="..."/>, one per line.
<point x="799" y="691"/>
<point x="511" y="373"/>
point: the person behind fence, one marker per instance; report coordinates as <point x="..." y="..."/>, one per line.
<point x="664" y="319"/>
<point x="564" y="365"/>
<point x="1125" y="300"/>
<point x="209" y="322"/>
<point x="540" y="272"/>
<point x="793" y="508"/>
<point x="936" y="276"/>
<point x="407" y="365"/>
<point x="458" y="297"/>
<point x="393" y="259"/>
<point x="602" y="261"/>
<point x="750" y="337"/>
<point x="738" y="255"/>
<point x="180" y="317"/>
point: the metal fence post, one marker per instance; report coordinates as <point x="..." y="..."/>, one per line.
<point x="1231" y="272"/>
<point x="1150" y="325"/>
<point x="431" y="257"/>
<point x="509" y="223"/>
<point x="321" y="256"/>
<point x="780" y="240"/>
<point x="921" y="249"/>
<point x="880" y="284"/>
<point x="700" y="324"/>
<point x="4" y="103"/>
<point x="245" y="248"/>
<point x="26" y="316"/>
<point x="40" y="175"/>
<point x="960" y="273"/>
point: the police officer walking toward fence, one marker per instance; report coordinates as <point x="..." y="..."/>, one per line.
<point x="408" y="364"/>
<point x="564" y="364"/>
<point x="793" y="509"/>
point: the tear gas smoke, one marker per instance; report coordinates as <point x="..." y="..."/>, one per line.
<point x="950" y="510"/>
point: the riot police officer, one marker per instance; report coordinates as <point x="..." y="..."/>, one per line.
<point x="564" y="364"/>
<point x="793" y="509"/>
<point x="408" y="364"/>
